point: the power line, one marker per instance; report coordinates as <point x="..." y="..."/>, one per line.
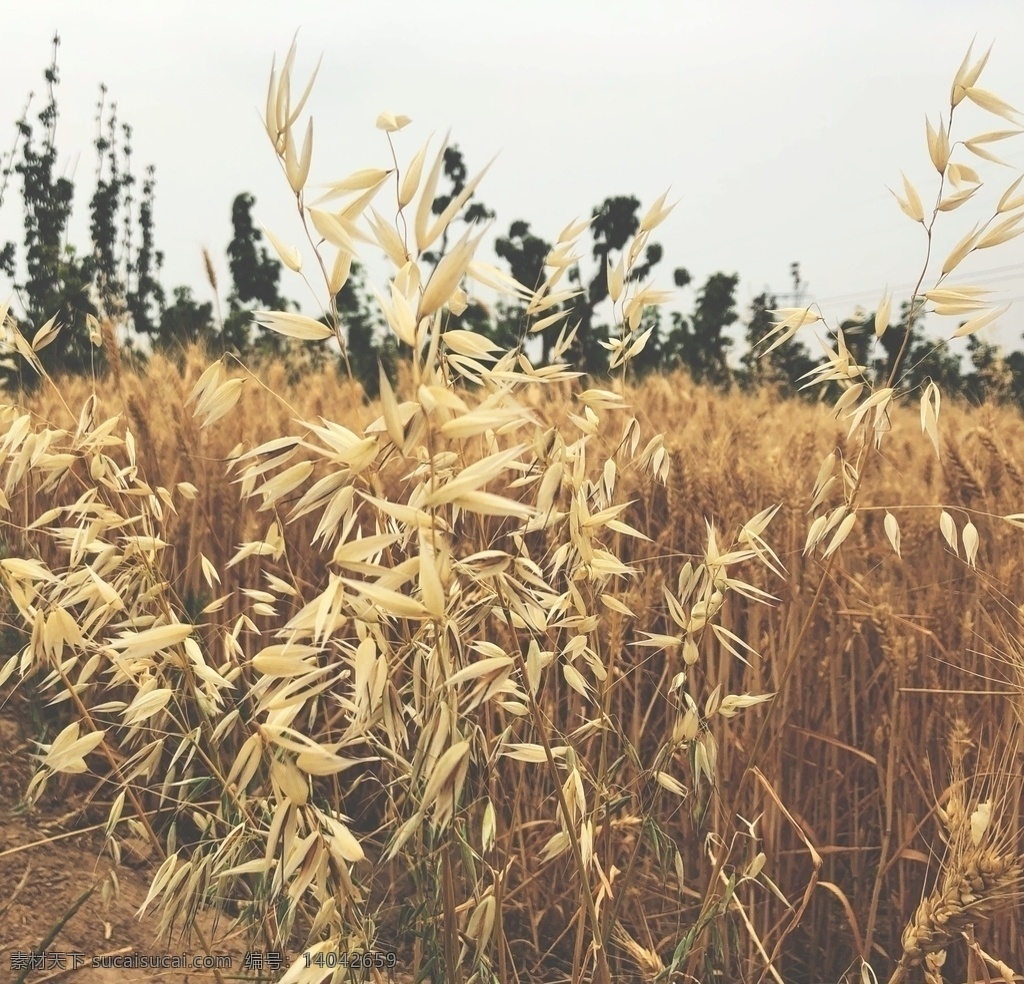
<point x="984" y="276"/>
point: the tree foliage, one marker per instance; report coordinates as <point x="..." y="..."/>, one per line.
<point x="118" y="277"/>
<point x="115" y="278"/>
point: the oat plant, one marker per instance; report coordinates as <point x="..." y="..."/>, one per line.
<point x="370" y="721"/>
<point x="989" y="865"/>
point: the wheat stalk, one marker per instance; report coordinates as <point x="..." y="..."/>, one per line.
<point x="982" y="872"/>
<point x="108" y="335"/>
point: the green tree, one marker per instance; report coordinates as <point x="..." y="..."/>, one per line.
<point x="186" y="321"/>
<point x="699" y="342"/>
<point x="477" y="317"/>
<point x="924" y="359"/>
<point x="59" y="283"/>
<point x="57" y="280"/>
<point x="255" y="276"/>
<point x="525" y="254"/>
<point x="614" y="222"/>
<point x="124" y="278"/>
<point x="455" y="173"/>
<point x="993" y="377"/>
<point x="361" y="323"/>
<point x="783" y="367"/>
<point x="1015" y="364"/>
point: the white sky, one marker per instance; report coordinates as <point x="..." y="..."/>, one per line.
<point x="777" y="124"/>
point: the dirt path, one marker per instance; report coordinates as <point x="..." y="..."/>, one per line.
<point x="51" y="858"/>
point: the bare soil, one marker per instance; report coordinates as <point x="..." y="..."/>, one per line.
<point x="53" y="865"/>
<point x="53" y="855"/>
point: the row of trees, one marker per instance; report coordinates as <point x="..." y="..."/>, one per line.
<point x="119" y="277"/>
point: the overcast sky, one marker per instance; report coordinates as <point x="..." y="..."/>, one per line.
<point x="778" y="125"/>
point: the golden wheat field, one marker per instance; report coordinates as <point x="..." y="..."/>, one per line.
<point x="909" y="671"/>
<point x="517" y="675"/>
